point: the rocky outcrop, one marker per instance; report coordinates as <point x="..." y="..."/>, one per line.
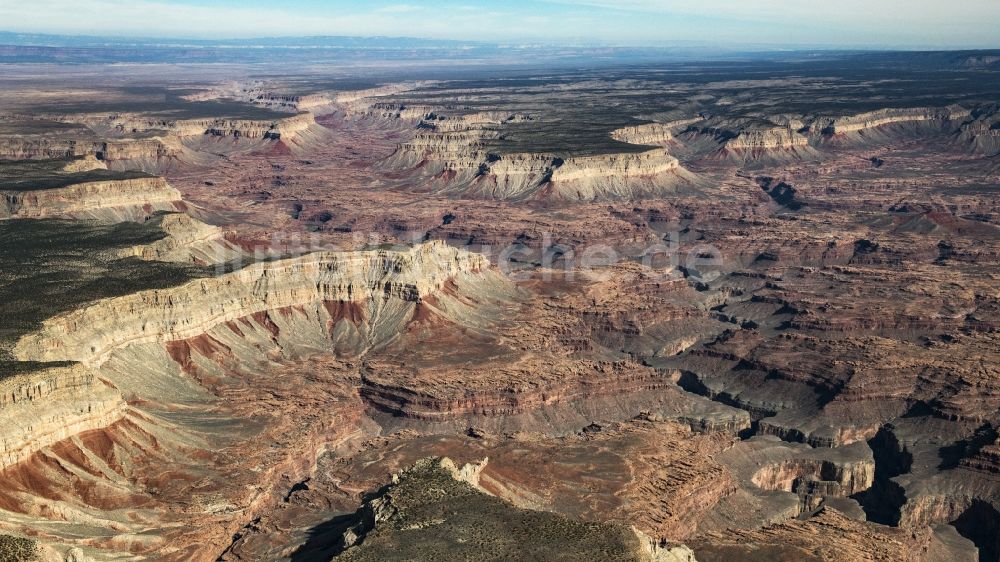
<point x="828" y="536"/>
<point x="113" y="200"/>
<point x="791" y="479"/>
<point x="425" y="510"/>
<point x="43" y="404"/>
<point x="87" y="163"/>
<point x="187" y="240"/>
<point x="981" y="133"/>
<point x="663" y="551"/>
<point x="815" y="479"/>
<point x="90" y="334"/>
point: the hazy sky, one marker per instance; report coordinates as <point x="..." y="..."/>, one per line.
<point x="912" y="23"/>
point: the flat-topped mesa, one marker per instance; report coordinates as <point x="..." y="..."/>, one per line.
<point x="483" y="120"/>
<point x="617" y="176"/>
<point x="90" y="334"/>
<point x="459" y="159"/>
<point x="827" y="126"/>
<point x="391" y="111"/>
<point x="346" y="98"/>
<point x="32" y="148"/>
<point x="650" y="133"/>
<point x="771" y="138"/>
<point x="48" y="403"/>
<point x="119" y="199"/>
<point x="290" y="101"/>
<point x="435" y="507"/>
<point x="754" y="137"/>
<point x="615" y="166"/>
<point x="822" y="477"/>
<point x="235" y="128"/>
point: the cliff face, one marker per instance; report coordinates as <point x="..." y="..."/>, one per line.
<point x="780" y="138"/>
<point x="129" y="141"/>
<point x="47" y="405"/>
<point x="453" y="150"/>
<point x="740" y="140"/>
<point x="767" y="139"/>
<point x="652" y="133"/>
<point x="457" y="162"/>
<point x="527" y="386"/>
<point x="843" y="540"/>
<point x="618" y="176"/>
<point x="145" y="154"/>
<point x="624" y="166"/>
<point x="981" y="133"/>
<point x="264" y="94"/>
<point x="187" y="240"/>
<point x="114" y="200"/>
<point x="89" y="335"/>
<point x="411" y="113"/>
<point x="25" y="148"/>
<point x="347" y="98"/>
<point x="236" y="128"/>
<point x="874" y="119"/>
<point x="481" y="121"/>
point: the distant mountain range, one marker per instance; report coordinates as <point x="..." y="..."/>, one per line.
<point x="82" y="49"/>
<point x="324" y="42"/>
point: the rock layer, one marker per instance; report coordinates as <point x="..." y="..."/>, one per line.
<point x="89" y="335"/>
<point x="110" y="200"/>
<point x="48" y="404"/>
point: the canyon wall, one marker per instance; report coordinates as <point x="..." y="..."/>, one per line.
<point x="187" y="240"/>
<point x="90" y="334"/>
<point x="50" y="403"/>
<point x="128" y="124"/>
<point x="618" y="176"/>
<point x="379" y="91"/>
<point x="114" y="199"/>
<point x="457" y="160"/>
<point x="651" y="133"/>
<point x="767" y="139"/>
<point x="882" y="117"/>
<point x="33" y="148"/>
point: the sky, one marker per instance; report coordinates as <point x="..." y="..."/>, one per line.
<point x="834" y="23"/>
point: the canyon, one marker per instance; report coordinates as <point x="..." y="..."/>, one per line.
<point x="594" y="314"/>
